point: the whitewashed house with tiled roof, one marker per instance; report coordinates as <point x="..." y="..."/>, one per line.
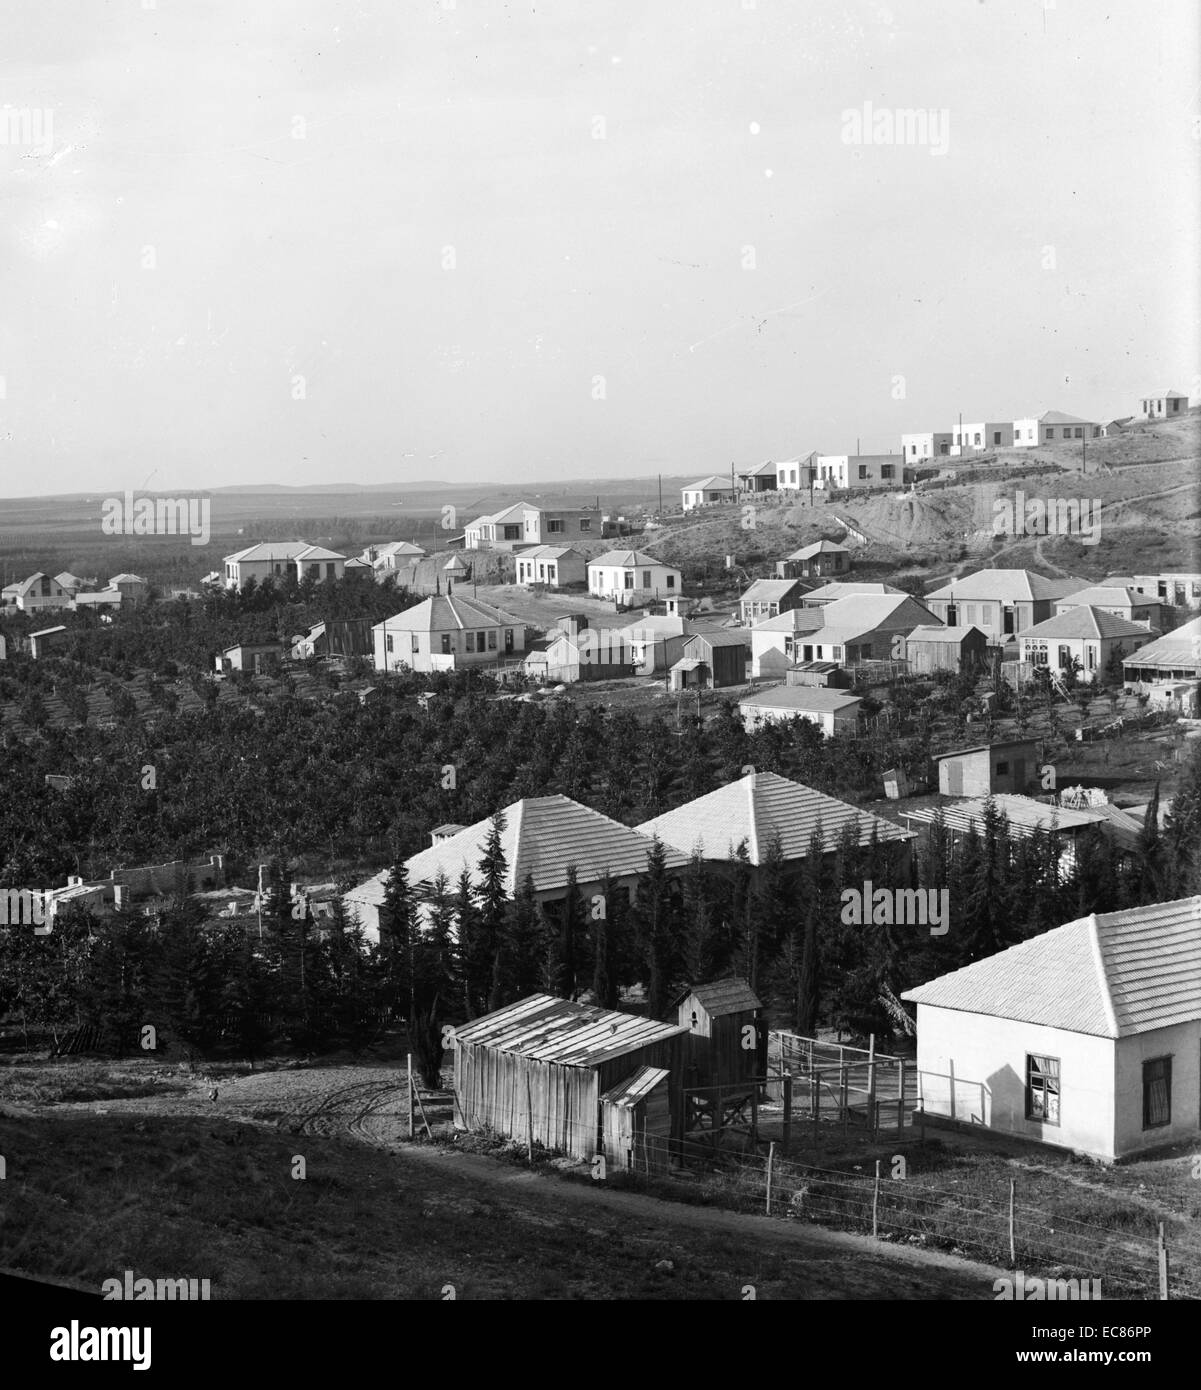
<point x="760" y="806"/>
<point x="1087" y="1037"/>
<point x="542" y="838"/>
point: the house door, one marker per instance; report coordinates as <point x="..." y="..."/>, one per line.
<point x="952" y="614"/>
<point x="954" y="779"/>
<point x="1007" y="622"/>
<point x="806" y="653"/>
<point x="508" y="640"/>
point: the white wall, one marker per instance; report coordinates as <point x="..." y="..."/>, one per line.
<point x="1183" y="1044"/>
<point x="987" y="1058"/>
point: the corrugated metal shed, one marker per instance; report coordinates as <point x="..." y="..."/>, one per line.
<point x="545" y="1029"/>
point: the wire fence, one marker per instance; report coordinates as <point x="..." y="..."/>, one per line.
<point x="1139" y="1256"/>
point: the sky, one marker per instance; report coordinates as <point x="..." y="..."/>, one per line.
<point x="250" y="241"/>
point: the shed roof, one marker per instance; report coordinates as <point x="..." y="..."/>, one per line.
<point x="944" y="634"/>
<point x="813" y="698"/>
<point x="447" y="612"/>
<point x="770" y="590"/>
<point x="848" y="588"/>
<point x="986" y="748"/>
<point x="1109" y="592"/>
<point x="807" y="552"/>
<point x="1029" y="817"/>
<point x="713" y="483"/>
<point x="720" y="637"/>
<point x="757" y="807"/>
<point x="546" y="1029"/>
<point x="636" y="1087"/>
<point x="1112" y="975"/>
<point x="722" y="997"/>
<point x="1180" y="647"/>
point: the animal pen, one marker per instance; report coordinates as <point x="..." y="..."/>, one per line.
<point x="849" y="1086"/>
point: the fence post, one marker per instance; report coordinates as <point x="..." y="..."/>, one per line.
<point x="901" y="1098"/>
<point x="876" y="1202"/>
<point x="787" y="1111"/>
<point x="1013" y="1258"/>
<point x="871" y="1085"/>
<point x="844" y="1101"/>
<point x="409" y="1078"/>
<point x="817" y="1103"/>
<point x="1163" y="1265"/>
<point x="529" y="1110"/>
<point x="771" y="1157"/>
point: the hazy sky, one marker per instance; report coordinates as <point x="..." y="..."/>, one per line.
<point x="500" y="242"/>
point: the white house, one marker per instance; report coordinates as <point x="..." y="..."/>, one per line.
<point x="1176" y="656"/>
<point x="1163" y="407"/>
<point x="446" y="633"/>
<point x="277" y="559"/>
<point x="1055" y="427"/>
<point x="1123" y="601"/>
<point x="1001" y="602"/>
<point x="396" y="555"/>
<point x="524" y="524"/>
<point x="553" y="565"/>
<point x="768" y="598"/>
<point x="1090" y="636"/>
<point x="544" y="838"/>
<point x="833" y="711"/>
<point x="1087" y="1037"/>
<point x="708" y="492"/>
<point x="847" y="631"/>
<point x="858" y="470"/>
<point x="132" y="587"/>
<point x="632" y="576"/>
<point x="798" y="474"/>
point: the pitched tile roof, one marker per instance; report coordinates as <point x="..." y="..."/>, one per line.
<point x="847" y="588"/>
<point x="543" y="837"/>
<point x="807" y="552"/>
<point x="713" y="483"/>
<point x="1057" y="417"/>
<point x="943" y="634"/>
<point x="443" y="613"/>
<point x="1112" y="975"/>
<point x="547" y="552"/>
<point x="269" y="550"/>
<point x="1029" y="817"/>
<point x="1008" y="585"/>
<point x="1098" y="595"/>
<point x="771" y="590"/>
<point x="546" y="1029"/>
<point x="1085" y="621"/>
<point x="754" y="807"/>
<point x="626" y="559"/>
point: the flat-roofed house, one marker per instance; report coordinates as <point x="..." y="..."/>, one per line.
<point x="256" y="657"/>
<point x="858" y="470"/>
<point x="1163" y="407"/>
<point x="767" y="598"/>
<point x="708" y="492"/>
<point x="1001" y="602"/>
<point x="798" y="474"/>
<point x="1087" y="1037"/>
<point x="1180" y="589"/>
<point x="543" y="837"/>
<point x="815" y="561"/>
<point x="552" y="565"/>
<point x="987" y="768"/>
<point x="1085" y="639"/>
<point x="446" y="633"/>
<point x="632" y="577"/>
<point x="833" y="711"/>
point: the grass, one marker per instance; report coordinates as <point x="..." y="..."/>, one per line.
<point x="39" y="1082"/>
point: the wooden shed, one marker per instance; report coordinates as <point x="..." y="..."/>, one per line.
<point x="988" y="768"/>
<point x="542" y="1065"/>
<point x="636" y="1121"/>
<point x="721" y="1049"/>
<point x="711" y="659"/>
<point x="958" y="649"/>
<point x="825" y="674"/>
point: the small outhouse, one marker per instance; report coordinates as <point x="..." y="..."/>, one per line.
<point x="725" y="1038"/>
<point x="636" y="1121"/>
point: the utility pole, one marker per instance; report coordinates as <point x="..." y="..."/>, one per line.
<point x="660" y="495"/>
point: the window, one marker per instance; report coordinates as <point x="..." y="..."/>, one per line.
<point x="491" y="640"/>
<point x="863" y="470"/>
<point x="671" y="581"/>
<point x="1065" y="657"/>
<point x="969" y="613"/>
<point x="1090" y="652"/>
<point x="1050" y="433"/>
<point x="416" y="644"/>
<point x="996" y="436"/>
<point x="627" y="579"/>
<point x="446" y="647"/>
<point x="646" y="579"/>
<point x="978" y="440"/>
<point x="912" y="450"/>
<point x="792" y="475"/>
<point x="1157" y="1092"/>
<point x="1036" y="653"/>
<point x="887" y="470"/>
<point x="471" y="641"/>
<point x="585" y="523"/>
<point x="511" y="533"/>
<point x="1096" y="431"/>
<point x="943" y="447"/>
<point x="1042" y="1089"/>
<point x="554" y="526"/>
<point x="835" y="653"/>
<point x="1079" y="433"/>
<point x="388" y="641"/>
<point x="1002" y="769"/>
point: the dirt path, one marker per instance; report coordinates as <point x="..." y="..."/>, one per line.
<point x="367" y="1104"/>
